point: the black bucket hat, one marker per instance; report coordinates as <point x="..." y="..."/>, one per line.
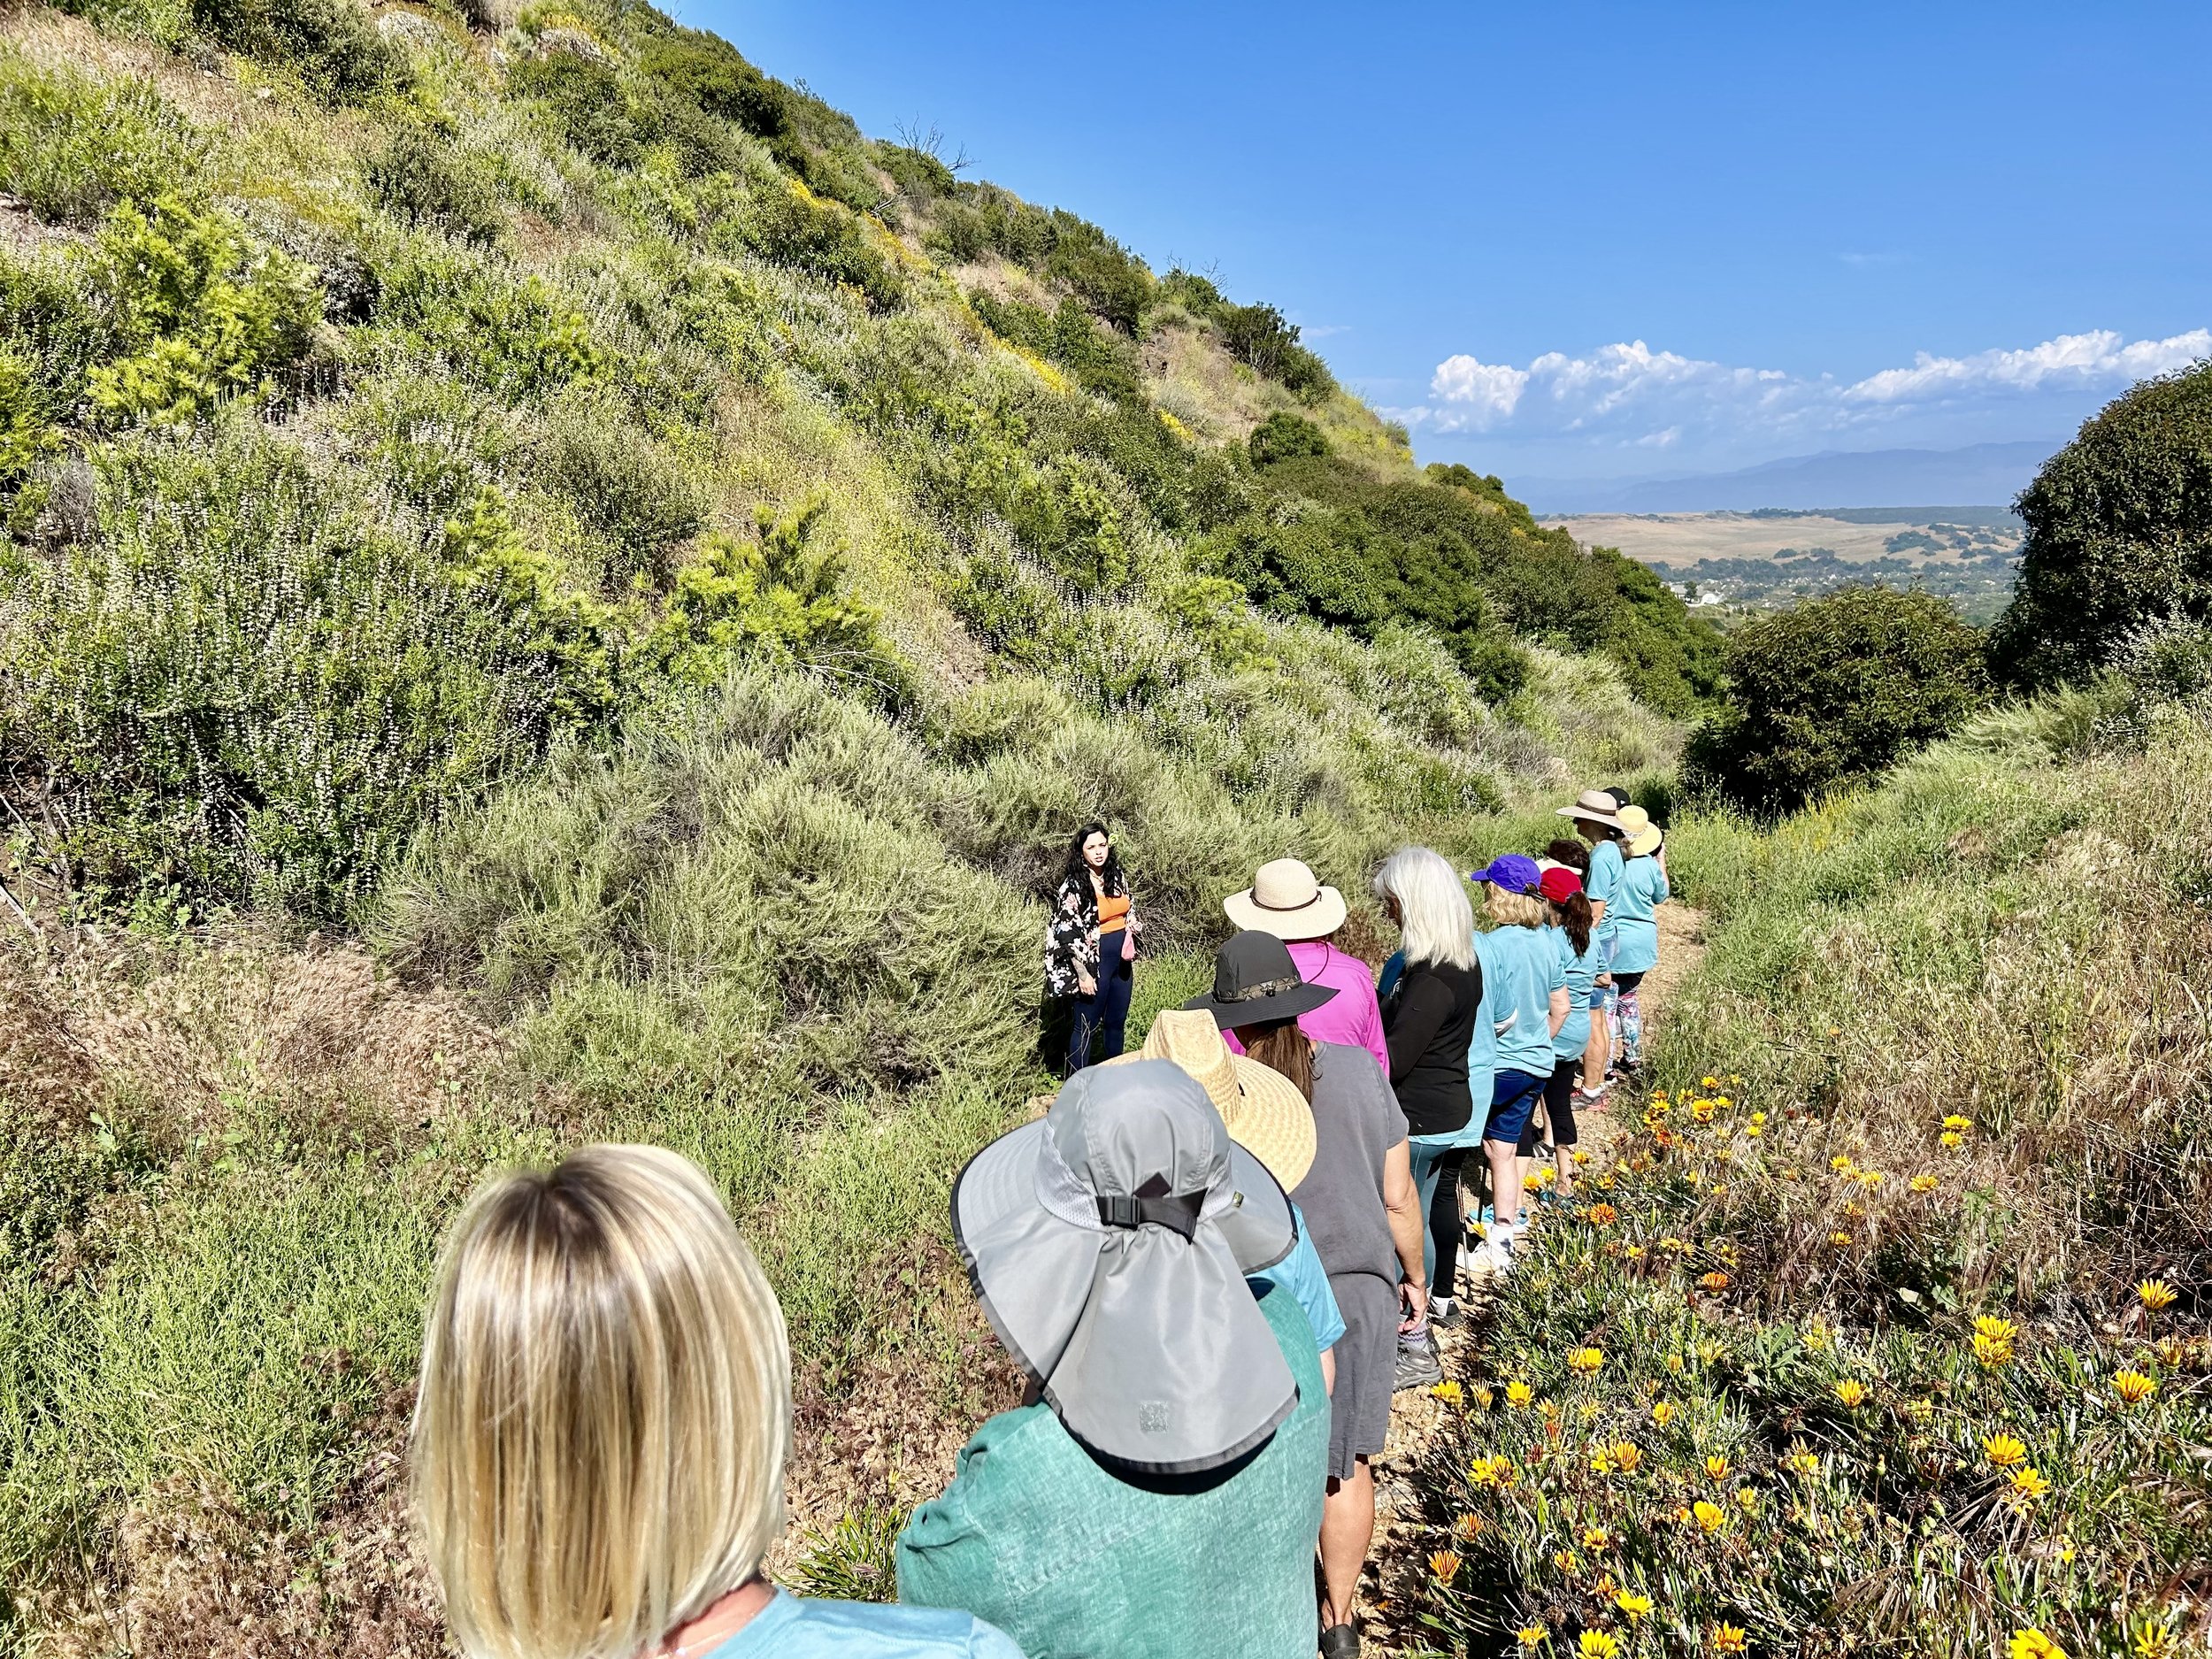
<point x="1255" y="983"/>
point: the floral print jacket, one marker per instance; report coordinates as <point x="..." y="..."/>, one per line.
<point x="1071" y="935"/>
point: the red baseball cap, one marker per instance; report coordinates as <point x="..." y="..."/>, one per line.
<point x="1559" y="884"/>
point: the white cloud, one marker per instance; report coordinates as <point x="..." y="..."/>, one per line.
<point x="1628" y="395"/>
<point x="1485" y="391"/>
<point x="2094" y="358"/>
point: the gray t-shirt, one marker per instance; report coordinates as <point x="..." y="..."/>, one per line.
<point x="1355" y="1123"/>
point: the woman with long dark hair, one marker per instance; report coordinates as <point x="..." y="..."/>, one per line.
<point x="1091" y="947"/>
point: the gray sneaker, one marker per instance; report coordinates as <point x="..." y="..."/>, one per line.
<point x="1418" y="1367"/>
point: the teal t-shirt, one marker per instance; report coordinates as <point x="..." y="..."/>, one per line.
<point x="1528" y="970"/>
<point x="1581" y="974"/>
<point x="1634" y="916"/>
<point x="1602" y="885"/>
<point x="789" y="1628"/>
<point x="1074" y="1563"/>
<point x="1301" y="1274"/>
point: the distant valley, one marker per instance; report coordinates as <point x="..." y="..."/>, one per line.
<point x="1773" y="557"/>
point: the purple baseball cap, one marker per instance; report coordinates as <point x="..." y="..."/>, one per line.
<point x="1513" y="872"/>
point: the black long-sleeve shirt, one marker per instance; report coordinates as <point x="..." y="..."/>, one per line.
<point x="1428" y="1023"/>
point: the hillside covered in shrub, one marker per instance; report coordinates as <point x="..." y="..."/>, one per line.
<point x="554" y="589"/>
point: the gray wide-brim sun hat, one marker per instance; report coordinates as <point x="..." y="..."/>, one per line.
<point x="1109" y="1244"/>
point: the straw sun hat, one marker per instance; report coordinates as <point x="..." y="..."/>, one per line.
<point x="1597" y="805"/>
<point x="1287" y="900"/>
<point x="1643" y="837"/>
<point x="1266" y="1114"/>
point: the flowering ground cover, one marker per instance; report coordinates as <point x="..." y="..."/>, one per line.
<point x="1891" y="1340"/>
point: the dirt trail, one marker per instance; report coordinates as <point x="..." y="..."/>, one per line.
<point x="1404" y="1538"/>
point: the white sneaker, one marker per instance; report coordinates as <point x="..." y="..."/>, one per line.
<point x="1501" y="1251"/>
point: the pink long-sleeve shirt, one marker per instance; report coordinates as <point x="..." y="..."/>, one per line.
<point x="1352" y="1016"/>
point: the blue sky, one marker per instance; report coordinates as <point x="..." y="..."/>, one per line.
<point x="1606" y="240"/>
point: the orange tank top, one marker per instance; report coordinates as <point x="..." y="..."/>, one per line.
<point x="1113" y="914"/>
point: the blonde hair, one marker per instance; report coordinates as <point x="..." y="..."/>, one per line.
<point x="1433" y="914"/>
<point x="604" y="1410"/>
<point x="1518" y="910"/>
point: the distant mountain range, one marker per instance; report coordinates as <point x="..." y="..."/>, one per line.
<point x="1989" y="474"/>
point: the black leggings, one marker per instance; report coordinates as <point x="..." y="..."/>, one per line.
<point x="1446" y="1225"/>
<point x="1559" y="1110"/>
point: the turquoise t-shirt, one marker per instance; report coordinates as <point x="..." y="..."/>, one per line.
<point x="1301" y="1274"/>
<point x="1602" y="885"/>
<point x="1074" y="1563"/>
<point x="789" y="1628"/>
<point x="1528" y="970"/>
<point x="1634" y="916"/>
<point x="1581" y="972"/>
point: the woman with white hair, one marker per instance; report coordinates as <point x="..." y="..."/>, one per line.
<point x="1428" y="1024"/>
<point x="601" y="1431"/>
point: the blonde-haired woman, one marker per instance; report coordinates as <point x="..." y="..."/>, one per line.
<point x="1428" y="1024"/>
<point x="600" y="1430"/>
<point x="1529" y="993"/>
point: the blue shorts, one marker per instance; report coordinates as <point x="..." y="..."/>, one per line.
<point x="1604" y="996"/>
<point x="1512" y="1100"/>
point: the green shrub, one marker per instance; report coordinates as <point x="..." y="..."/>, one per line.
<point x="791" y="226"/>
<point x="637" y="499"/>
<point x="27" y="433"/>
<point x="332" y="45"/>
<point x="240" y="688"/>
<point x="418" y="179"/>
<point x="199" y="314"/>
<point x="772" y="598"/>
<point x="1261" y="336"/>
<point x="511" y="334"/>
<point x="1835" y="690"/>
<point x="72" y="148"/>
<point x="617" y="118"/>
<point x="921" y="178"/>
<point x="714" y="75"/>
<point x="1109" y="280"/>
<point x="2119" y="534"/>
<point x="1285" y="437"/>
<point x="569" y="635"/>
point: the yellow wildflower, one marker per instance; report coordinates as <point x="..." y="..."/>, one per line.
<point x="1709" y="1516"/>
<point x="1596" y="1644"/>
<point x="1816" y="1337"/>
<point x="1842" y="1163"/>
<point x="2003" y="1451"/>
<point x="1491" y="1472"/>
<point x="1663" y="1412"/>
<point x="1602" y="1214"/>
<point x="1958" y="1123"/>
<point x="1924" y="1183"/>
<point x="2033" y="1644"/>
<point x="1995" y="1329"/>
<point x="1852" y="1392"/>
<point x="1467" y="1528"/>
<point x="1747" y="1500"/>
<point x="2133" y="1387"/>
<point x="1626" y="1456"/>
<point x="1727" y="1639"/>
<point x="1629" y="1602"/>
<point x="2027" y="1486"/>
<point x="2156" y="1294"/>
<point x="1803" y="1459"/>
<point x="1445" y="1565"/>
<point x="1715" y="1282"/>
<point x="1870" y="1179"/>
<point x="1839" y="1238"/>
<point x="1596" y="1539"/>
<point x="1584" y="1361"/>
<point x="1581" y="1157"/>
<point x="1709" y="1082"/>
<point x="1992" y="1352"/>
<point x="2152" y="1639"/>
<point x="1517" y="1395"/>
<point x="1716" y="1468"/>
<point x="1951" y="1140"/>
<point x="1531" y="1635"/>
<point x="1634" y="1252"/>
<point x="1449" y="1391"/>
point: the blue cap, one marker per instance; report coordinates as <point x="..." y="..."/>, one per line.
<point x="1513" y="872"/>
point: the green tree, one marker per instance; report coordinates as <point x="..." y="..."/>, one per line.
<point x="2119" y="534"/>
<point x="1836" y="689"/>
